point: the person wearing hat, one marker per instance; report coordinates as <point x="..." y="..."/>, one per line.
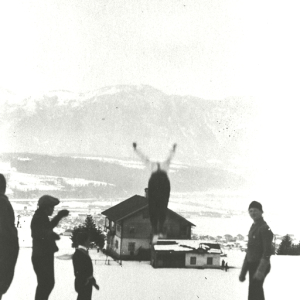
<point x="9" y="243"/>
<point x="44" y="245"/>
<point x="83" y="268"/>
<point x="259" y="251"/>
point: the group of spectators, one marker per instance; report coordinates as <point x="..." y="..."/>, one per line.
<point x="43" y="248"/>
<point x="256" y="263"/>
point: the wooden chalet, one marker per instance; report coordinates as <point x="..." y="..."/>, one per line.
<point x="129" y="230"/>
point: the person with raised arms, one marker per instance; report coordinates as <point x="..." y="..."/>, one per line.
<point x="159" y="188"/>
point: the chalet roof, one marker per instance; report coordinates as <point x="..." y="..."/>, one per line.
<point x="126" y="207"/>
<point x="188" y="246"/>
<point x="129" y="207"/>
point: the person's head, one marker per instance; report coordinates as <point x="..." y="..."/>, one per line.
<point x="83" y="239"/>
<point x="2" y="184"/>
<point x="255" y="210"/>
<point x="47" y="203"/>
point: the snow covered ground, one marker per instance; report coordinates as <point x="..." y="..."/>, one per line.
<point x="138" y="280"/>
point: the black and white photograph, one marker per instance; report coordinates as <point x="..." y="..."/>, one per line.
<point x="149" y="149"/>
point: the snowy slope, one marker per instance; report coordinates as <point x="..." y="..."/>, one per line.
<point x="139" y="281"/>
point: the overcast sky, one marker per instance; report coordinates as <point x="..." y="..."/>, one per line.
<point x="212" y="49"/>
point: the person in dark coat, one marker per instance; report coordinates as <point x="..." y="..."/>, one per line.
<point x="43" y="244"/>
<point x="223" y="264"/>
<point x="9" y="243"/>
<point x="158" y="191"/>
<point x="226" y="267"/>
<point x="259" y="251"/>
<point x="83" y="268"/>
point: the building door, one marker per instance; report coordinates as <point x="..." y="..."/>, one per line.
<point x="131" y="248"/>
<point x="177" y="260"/>
<point x="209" y="260"/>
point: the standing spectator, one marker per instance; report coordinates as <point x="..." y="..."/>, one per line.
<point x="226" y="267"/>
<point x="83" y="268"/>
<point x="223" y="264"/>
<point x="9" y="243"/>
<point x="257" y="260"/>
<point x="43" y="244"/>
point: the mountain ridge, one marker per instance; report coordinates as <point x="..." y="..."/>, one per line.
<point x="108" y="120"/>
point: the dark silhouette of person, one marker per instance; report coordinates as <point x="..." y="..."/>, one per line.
<point x="259" y="251"/>
<point x="9" y="243"/>
<point x="83" y="268"/>
<point x="44" y="245"/>
<point x="223" y="264"/>
<point x="226" y="267"/>
<point x="159" y="188"/>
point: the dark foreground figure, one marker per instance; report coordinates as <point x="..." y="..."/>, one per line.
<point x="43" y="244"/>
<point x="9" y="243"/>
<point x="257" y="260"/>
<point x="83" y="269"/>
<point x="158" y="191"/>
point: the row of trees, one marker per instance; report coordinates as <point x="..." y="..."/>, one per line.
<point x="287" y="247"/>
<point x="97" y="237"/>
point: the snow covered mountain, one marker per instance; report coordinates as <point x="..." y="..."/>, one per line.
<point x="107" y="121"/>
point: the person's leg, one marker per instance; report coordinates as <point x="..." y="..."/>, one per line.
<point x="251" y="269"/>
<point x="152" y="203"/>
<point x="153" y="215"/>
<point x="44" y="269"/>
<point x="163" y="201"/>
<point x="162" y="214"/>
<point x="85" y="293"/>
<point x="158" y="195"/>
<point x="9" y="255"/>
<point x="256" y="291"/>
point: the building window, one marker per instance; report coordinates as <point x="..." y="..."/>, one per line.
<point x="131" y="229"/>
<point x="183" y="229"/>
<point x="193" y="260"/>
<point x="117" y="244"/>
<point x="131" y="247"/>
<point x="118" y="228"/>
<point x="209" y="260"/>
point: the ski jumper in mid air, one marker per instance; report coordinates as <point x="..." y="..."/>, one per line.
<point x="158" y="191"/>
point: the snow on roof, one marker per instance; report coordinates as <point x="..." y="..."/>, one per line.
<point x="188" y="245"/>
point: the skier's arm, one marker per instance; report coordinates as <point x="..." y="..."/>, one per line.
<point x="171" y="155"/>
<point x="142" y="156"/>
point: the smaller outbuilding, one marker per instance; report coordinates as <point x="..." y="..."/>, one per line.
<point x="186" y="254"/>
